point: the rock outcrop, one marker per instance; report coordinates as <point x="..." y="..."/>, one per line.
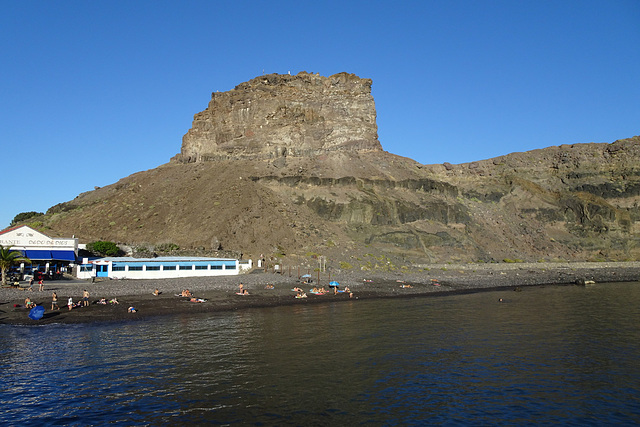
<point x="277" y="115"/>
<point x="285" y="165"/>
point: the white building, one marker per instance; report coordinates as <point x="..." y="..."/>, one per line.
<point x="46" y="253"/>
<point x="160" y="267"/>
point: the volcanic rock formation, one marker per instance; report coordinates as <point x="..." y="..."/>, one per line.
<point x="291" y="165"/>
<point x="282" y="115"/>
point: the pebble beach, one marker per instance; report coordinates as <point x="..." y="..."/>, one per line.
<point x="220" y="292"/>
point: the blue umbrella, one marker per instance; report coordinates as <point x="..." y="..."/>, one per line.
<point x="334" y="283"/>
<point x="36" y="312"/>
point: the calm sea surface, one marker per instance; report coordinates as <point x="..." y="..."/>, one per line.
<point x="548" y="355"/>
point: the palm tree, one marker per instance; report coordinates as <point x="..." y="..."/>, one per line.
<point x="9" y="258"/>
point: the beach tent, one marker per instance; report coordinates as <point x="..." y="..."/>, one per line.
<point x="36" y="312"/>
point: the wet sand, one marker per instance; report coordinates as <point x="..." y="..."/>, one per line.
<point x="220" y="292"/>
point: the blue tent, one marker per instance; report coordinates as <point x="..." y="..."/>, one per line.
<point x="36" y="312"/>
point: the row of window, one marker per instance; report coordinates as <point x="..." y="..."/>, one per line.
<point x="164" y="267"/>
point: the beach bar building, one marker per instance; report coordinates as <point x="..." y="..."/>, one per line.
<point x="158" y="268"/>
<point x="47" y="254"/>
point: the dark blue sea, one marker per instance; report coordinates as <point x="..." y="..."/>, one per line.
<point x="547" y="355"/>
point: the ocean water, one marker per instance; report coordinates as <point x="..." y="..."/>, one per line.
<point x="549" y="355"/>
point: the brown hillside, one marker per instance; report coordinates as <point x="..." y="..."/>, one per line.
<point x="316" y="191"/>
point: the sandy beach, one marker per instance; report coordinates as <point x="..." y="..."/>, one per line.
<point x="220" y="292"/>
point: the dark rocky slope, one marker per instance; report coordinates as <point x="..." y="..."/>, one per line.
<point x="291" y="165"/>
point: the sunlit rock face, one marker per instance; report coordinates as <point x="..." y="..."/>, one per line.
<point x="277" y="115"/>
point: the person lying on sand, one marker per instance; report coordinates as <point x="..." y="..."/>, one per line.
<point x="301" y="294"/>
<point x="186" y="293"/>
<point x="198" y="300"/>
<point x="297" y="289"/>
<point x="113" y="301"/>
<point x="156" y="292"/>
<point x="242" y="292"/>
<point x="269" y="286"/>
<point x="132" y="309"/>
<point x="406" y="286"/>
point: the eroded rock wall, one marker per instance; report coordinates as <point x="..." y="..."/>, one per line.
<point x="283" y="115"/>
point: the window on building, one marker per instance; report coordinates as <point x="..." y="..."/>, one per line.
<point x="201" y="267"/>
<point x="168" y="267"/>
<point x="86" y="267"/>
<point x="117" y="268"/>
<point x="216" y="267"/>
<point x="153" y="268"/>
<point x="185" y="267"/>
<point x="135" y="268"/>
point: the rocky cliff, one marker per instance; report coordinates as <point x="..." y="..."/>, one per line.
<point x="276" y="115"/>
<point x="291" y="165"/>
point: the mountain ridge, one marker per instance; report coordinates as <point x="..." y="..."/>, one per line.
<point x="308" y="195"/>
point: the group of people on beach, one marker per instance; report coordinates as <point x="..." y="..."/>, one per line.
<point x="82" y="302"/>
<point x="16" y="284"/>
<point x="186" y="293"/>
<point x="242" y="290"/>
<point x="320" y="291"/>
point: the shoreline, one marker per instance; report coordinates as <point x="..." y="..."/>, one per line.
<point x="220" y="291"/>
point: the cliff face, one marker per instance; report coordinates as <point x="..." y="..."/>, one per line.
<point x="286" y="165"/>
<point x="275" y="116"/>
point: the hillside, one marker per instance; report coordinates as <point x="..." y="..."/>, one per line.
<point x="307" y="182"/>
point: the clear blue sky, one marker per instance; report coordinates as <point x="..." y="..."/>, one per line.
<point x="93" y="91"/>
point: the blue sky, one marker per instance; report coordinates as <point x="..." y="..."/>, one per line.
<point x="93" y="91"/>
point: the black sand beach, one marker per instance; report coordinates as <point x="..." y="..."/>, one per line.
<point x="220" y="292"/>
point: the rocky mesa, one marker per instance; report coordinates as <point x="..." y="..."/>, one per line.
<point x="291" y="167"/>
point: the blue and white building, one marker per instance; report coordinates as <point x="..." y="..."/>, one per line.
<point x="160" y="267"/>
<point x="46" y="253"/>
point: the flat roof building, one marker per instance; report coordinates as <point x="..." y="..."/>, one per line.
<point x="159" y="268"/>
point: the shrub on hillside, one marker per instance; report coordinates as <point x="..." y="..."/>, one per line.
<point x="23" y="216"/>
<point x="104" y="248"/>
<point x="167" y="247"/>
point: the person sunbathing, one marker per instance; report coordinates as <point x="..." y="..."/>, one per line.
<point x="131" y="309"/>
<point x="297" y="289"/>
<point x="198" y="300"/>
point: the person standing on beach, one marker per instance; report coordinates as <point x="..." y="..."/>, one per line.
<point x="40" y="285"/>
<point x="85" y="298"/>
<point x="54" y="302"/>
<point x="70" y="303"/>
